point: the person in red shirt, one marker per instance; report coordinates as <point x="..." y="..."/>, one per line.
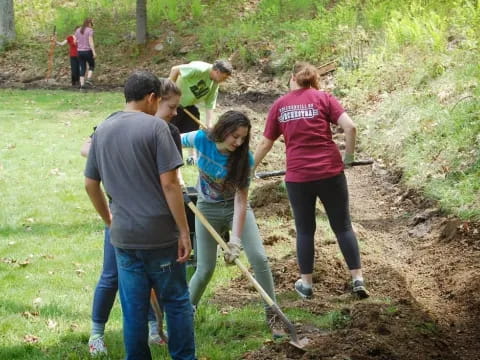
<point x="74" y="64"/>
<point x="314" y="169"/>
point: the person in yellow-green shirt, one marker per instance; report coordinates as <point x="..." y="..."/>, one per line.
<point x="198" y="82"/>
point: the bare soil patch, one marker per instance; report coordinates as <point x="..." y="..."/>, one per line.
<point x="420" y="265"/>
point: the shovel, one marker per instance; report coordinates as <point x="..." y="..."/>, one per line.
<point x="273" y="306"/>
<point x="267" y="174"/>
<point x="194" y="118"/>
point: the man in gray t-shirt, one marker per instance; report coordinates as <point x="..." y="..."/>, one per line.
<point x="134" y="156"/>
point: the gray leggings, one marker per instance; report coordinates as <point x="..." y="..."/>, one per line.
<point x="220" y="216"/>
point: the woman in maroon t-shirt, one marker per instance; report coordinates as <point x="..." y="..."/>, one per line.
<point x="74" y="65"/>
<point x="314" y="169"/>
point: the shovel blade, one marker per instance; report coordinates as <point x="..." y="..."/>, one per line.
<point x="300" y="343"/>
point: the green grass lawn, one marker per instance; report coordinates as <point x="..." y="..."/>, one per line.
<point x="51" y="240"/>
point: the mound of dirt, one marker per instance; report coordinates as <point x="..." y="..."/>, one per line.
<point x="268" y="194"/>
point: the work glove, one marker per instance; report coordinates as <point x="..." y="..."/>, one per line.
<point x="348" y="159"/>
<point x="234" y="248"/>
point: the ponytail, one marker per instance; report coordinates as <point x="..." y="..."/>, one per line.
<point x="306" y="75"/>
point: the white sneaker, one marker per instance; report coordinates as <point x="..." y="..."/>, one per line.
<point x="97" y="345"/>
<point x="156" y="340"/>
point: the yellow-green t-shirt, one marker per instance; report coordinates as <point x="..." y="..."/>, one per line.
<point x="196" y="85"/>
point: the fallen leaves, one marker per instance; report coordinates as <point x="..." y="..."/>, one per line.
<point x="8" y="260"/>
<point x="31" y="339"/>
<point x="37" y="302"/>
<point x="51" y="324"/>
<point x="79" y="272"/>
<point x="56" y="172"/>
<point x="24" y="263"/>
<point x="30" y="314"/>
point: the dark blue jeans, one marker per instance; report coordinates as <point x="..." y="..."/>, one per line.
<point x="138" y="272"/>
<point x="107" y="285"/>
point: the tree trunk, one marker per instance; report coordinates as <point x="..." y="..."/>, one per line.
<point x="7" y="23"/>
<point x="141" y="21"/>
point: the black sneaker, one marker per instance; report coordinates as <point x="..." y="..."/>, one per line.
<point x="360" y="290"/>
<point x="302" y="290"/>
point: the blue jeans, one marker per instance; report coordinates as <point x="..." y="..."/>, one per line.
<point x="107" y="285"/>
<point x="138" y="272"/>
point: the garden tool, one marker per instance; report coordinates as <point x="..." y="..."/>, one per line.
<point x="273" y="306"/>
<point x="157" y="309"/>
<point x="267" y="174"/>
<point x="194" y="118"/>
<point x="51" y="51"/>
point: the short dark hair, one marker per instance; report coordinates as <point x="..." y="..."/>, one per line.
<point x="223" y="66"/>
<point x="139" y="84"/>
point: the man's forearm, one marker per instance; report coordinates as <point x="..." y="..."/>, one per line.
<point x="97" y="197"/>
<point x="174" y="197"/>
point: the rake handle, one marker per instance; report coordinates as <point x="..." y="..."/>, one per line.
<point x="266" y="174"/>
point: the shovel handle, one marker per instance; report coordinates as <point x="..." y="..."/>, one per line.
<point x="224" y="246"/>
<point x="158" y="315"/>
<point x="194" y="118"/>
<point x="253" y="281"/>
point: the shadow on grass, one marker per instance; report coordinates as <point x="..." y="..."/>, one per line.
<point x="49" y="310"/>
<point x="58" y="230"/>
<point x="73" y="346"/>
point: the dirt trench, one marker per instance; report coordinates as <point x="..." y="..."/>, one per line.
<point x="420" y="266"/>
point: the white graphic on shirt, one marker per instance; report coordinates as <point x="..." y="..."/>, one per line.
<point x="297" y="112"/>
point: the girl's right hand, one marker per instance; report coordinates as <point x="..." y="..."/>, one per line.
<point x="232" y="254"/>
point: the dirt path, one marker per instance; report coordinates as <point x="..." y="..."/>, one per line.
<point x="420" y="266"/>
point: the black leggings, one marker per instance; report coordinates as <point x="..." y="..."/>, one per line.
<point x="333" y="194"/>
<point x="85" y="57"/>
<point x="75" y="70"/>
<point x="183" y="121"/>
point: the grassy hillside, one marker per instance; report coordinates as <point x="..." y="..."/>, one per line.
<point x="408" y="69"/>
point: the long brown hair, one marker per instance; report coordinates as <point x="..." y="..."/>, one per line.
<point x="238" y="165"/>
<point x="88" y="22"/>
<point x="306" y="75"/>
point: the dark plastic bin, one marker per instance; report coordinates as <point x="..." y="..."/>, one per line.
<point x="192" y="262"/>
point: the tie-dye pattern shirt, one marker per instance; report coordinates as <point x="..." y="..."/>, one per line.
<point x="212" y="168"/>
